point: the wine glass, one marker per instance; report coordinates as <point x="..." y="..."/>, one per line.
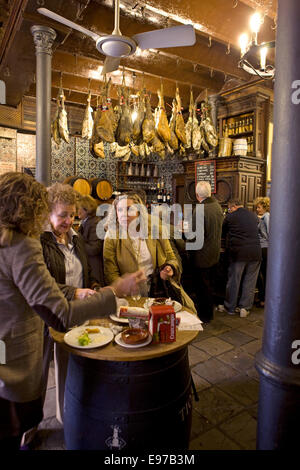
<point x="136" y="297"/>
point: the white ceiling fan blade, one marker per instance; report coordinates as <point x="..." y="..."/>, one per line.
<point x="177" y="36"/>
<point x="110" y="64"/>
<point x="61" y="19"/>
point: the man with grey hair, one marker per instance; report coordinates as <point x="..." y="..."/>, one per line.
<point x="203" y="261"/>
<point x="203" y="190"/>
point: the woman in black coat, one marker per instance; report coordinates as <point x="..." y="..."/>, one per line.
<point x="87" y="207"/>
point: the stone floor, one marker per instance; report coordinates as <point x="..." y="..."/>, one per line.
<point x="222" y="363"/>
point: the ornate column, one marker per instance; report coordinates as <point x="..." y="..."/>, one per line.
<point x="43" y="39"/>
<point x="278" y="362"/>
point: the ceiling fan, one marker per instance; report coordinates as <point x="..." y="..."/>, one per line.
<point x="116" y="45"/>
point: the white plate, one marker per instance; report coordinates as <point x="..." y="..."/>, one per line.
<point x="177" y="306"/>
<point x="120" y="342"/>
<point x="119" y="319"/>
<point x="105" y="336"/>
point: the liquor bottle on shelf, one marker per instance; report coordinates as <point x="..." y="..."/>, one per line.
<point x="250" y="124"/>
<point x="247" y="125"/>
<point x="164" y="196"/>
<point x="159" y="194"/>
<point x="248" y="145"/>
<point x="168" y="198"/>
<point x="240" y="127"/>
<point x="223" y="126"/>
<point x="236" y="128"/>
<point x="243" y="126"/>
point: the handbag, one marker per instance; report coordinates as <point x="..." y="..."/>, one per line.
<point x="161" y="288"/>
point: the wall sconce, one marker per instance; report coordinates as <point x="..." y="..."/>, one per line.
<point x="250" y="49"/>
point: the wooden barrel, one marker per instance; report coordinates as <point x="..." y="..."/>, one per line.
<point x="80" y="184"/>
<point x="136" y="405"/>
<point x="240" y="147"/>
<point x="101" y="188"/>
<point x="225" y="147"/>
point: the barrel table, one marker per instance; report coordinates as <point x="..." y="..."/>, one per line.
<point x="130" y="399"/>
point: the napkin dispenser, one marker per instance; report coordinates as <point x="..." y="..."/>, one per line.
<point x="162" y="323"/>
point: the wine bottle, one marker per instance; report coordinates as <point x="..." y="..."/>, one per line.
<point x="159" y="195"/>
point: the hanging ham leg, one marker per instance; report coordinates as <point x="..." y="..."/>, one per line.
<point x="180" y="126"/>
<point x="88" y="122"/>
<point x="174" y="140"/>
<point x="148" y="126"/>
<point x="161" y="121"/>
<point x="63" y="121"/>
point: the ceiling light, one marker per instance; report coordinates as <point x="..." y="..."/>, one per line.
<point x="250" y="50"/>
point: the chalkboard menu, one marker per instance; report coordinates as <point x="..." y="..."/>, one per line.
<point x="206" y="171"/>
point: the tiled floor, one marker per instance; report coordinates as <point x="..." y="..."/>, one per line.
<point x="222" y="363"/>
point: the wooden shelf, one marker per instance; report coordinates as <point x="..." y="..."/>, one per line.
<point x="137" y="176"/>
<point x="242" y="134"/>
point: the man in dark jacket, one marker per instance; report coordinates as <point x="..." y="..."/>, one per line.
<point x="240" y="227"/>
<point x="205" y="259"/>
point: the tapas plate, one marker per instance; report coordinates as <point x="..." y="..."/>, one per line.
<point x="120" y="342"/>
<point x="119" y="319"/>
<point x="96" y="338"/>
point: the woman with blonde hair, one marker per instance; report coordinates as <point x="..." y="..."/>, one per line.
<point x="29" y="297"/>
<point x="132" y="242"/>
<point x="87" y="207"/>
<point x="262" y="205"/>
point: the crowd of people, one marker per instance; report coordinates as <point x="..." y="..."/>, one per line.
<point x="52" y="275"/>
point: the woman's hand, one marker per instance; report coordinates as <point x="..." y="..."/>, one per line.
<point x="129" y="283"/>
<point x="81" y="294"/>
<point x="166" y="272"/>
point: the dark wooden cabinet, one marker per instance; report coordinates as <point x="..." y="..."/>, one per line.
<point x="238" y="176"/>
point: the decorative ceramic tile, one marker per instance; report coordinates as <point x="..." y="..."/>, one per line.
<point x="62" y="160"/>
<point x="76" y="159"/>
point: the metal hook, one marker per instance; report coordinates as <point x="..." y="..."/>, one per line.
<point x="209" y="41"/>
<point x="211" y="73"/>
<point x="228" y="49"/>
<point x="195" y="67"/>
<point x="275" y="24"/>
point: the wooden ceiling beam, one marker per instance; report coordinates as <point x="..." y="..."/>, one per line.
<point x="160" y="67"/>
<point x="15" y="19"/>
<point x="100" y="19"/>
<point x="220" y="19"/>
<point x="268" y="7"/>
<point x="81" y="85"/>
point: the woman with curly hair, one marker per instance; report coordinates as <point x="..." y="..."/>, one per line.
<point x="29" y="297"/>
<point x="263" y="211"/>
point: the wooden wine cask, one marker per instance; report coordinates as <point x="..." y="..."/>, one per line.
<point x="80" y="184"/>
<point x="101" y="189"/>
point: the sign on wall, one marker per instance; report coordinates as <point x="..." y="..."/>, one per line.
<point x="205" y="170"/>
